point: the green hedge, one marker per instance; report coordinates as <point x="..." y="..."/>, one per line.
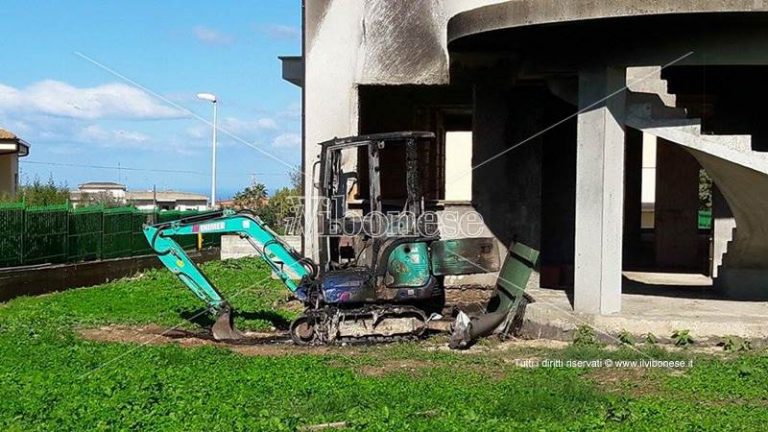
<point x="58" y="234"/>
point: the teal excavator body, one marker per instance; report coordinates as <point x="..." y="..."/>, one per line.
<point x="382" y="281"/>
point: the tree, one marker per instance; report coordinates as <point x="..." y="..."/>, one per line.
<point x="252" y="197"/>
<point x="296" y="177"/>
<point x="285" y="203"/>
<point x="705" y="190"/>
<point x="267" y="215"/>
<point x="38" y="193"/>
<point x="278" y="211"/>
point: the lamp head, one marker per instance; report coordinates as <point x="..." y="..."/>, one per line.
<point x="210" y="97"/>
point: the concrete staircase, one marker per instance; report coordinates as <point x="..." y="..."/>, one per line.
<point x="721" y="243"/>
<point x="651" y="109"/>
<point x="740" y="173"/>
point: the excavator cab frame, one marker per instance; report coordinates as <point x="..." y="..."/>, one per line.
<point x="346" y="166"/>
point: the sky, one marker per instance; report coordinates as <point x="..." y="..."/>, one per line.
<point x="105" y="91"/>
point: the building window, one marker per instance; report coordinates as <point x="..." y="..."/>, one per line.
<point x="648" y="189"/>
<point x="458" y="166"/>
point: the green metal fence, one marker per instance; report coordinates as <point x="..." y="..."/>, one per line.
<point x="139" y="245"/>
<point x="119" y="230"/>
<point x="187" y="242"/>
<point x="705" y="219"/>
<point x="58" y="234"/>
<point x="86" y="228"/>
<point x="11" y="232"/>
<point x="46" y="232"/>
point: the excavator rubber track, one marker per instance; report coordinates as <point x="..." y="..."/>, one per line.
<point x="371" y="324"/>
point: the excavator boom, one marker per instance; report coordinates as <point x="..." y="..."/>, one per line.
<point x="268" y="245"/>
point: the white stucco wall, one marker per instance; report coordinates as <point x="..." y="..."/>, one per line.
<point x="348" y="43"/>
<point x="118" y="194"/>
<point x="9" y="171"/>
<point x="179" y="205"/>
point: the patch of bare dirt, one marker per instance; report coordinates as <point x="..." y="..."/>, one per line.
<point x="142" y="335"/>
<point x="635" y="381"/>
<point x="256" y="344"/>
<point x="411" y="367"/>
<point x="417" y="367"/>
<point x="532" y="343"/>
<point x="469" y="299"/>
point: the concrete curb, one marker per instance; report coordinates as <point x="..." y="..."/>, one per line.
<point x="16" y="282"/>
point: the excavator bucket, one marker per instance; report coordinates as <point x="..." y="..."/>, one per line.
<point x="224" y="327"/>
<point x="507" y="305"/>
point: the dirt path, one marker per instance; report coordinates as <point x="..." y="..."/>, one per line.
<point x="274" y="343"/>
<point x="278" y="343"/>
<point x="256" y="344"/>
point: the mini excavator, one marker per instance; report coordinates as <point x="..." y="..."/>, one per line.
<point x="382" y="261"/>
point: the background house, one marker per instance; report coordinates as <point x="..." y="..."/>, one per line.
<point x="11" y="149"/>
<point x="98" y="192"/>
<point x="167" y="200"/>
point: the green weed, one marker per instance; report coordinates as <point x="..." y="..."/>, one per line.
<point x="584" y="336"/>
<point x="733" y="344"/>
<point x="682" y="338"/>
<point x="651" y="339"/>
<point x="626" y="338"/>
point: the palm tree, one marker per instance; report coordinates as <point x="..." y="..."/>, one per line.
<point x="252" y="197"/>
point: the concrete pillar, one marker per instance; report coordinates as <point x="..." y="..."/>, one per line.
<point x="506" y="187"/>
<point x="677" y="206"/>
<point x="633" y="170"/>
<point x="599" y="190"/>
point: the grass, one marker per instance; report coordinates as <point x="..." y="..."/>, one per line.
<point x="51" y="379"/>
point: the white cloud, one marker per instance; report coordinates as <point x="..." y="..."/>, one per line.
<point x="198" y="131"/>
<point x="292" y="112"/>
<point x="287" y="140"/>
<point x="281" y="31"/>
<point x="240" y="128"/>
<point x="212" y="37"/>
<point x="56" y="98"/>
<point x="237" y="126"/>
<point x="98" y="135"/>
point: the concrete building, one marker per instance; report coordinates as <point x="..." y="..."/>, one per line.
<point x="98" y="192"/>
<point x="11" y="149"/>
<point x="166" y="200"/>
<point x="551" y="102"/>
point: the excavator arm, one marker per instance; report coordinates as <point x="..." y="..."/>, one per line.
<point x="279" y="256"/>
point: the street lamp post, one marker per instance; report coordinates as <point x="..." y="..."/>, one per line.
<point x="212" y="99"/>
